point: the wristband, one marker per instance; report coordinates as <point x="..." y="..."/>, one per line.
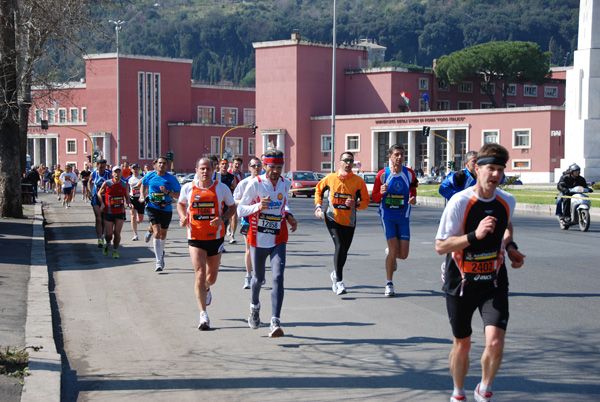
<point x="511" y="243"/>
<point x="318" y="206"/>
<point x="472" y="237"/>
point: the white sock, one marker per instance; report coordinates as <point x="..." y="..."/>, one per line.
<point x="484" y="388"/>
<point x="458" y="392"/>
<point x="157" y="248"/>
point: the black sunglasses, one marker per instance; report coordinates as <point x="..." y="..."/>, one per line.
<point x="256" y="165"/>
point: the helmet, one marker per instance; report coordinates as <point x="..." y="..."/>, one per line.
<point x="574" y="167"/>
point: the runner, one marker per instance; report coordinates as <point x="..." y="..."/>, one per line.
<point x="254" y="166"/>
<point x="84" y="175"/>
<point x="265" y="202"/>
<point x="98" y="177"/>
<point x="201" y="208"/>
<point x="137" y="207"/>
<point x="458" y="181"/>
<point x="475" y="233"/>
<point x="160" y="187"/>
<point x="57" y="182"/>
<point x="395" y="189"/>
<point x="347" y="192"/>
<point x="113" y="196"/>
<point x="67" y="179"/>
<point x="126" y="170"/>
<point x="238" y="176"/>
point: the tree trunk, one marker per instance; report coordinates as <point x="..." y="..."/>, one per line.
<point x="10" y="164"/>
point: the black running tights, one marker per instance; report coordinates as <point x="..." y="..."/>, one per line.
<point x="342" y="239"/>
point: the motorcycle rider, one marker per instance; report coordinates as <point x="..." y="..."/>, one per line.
<point x="570" y="179"/>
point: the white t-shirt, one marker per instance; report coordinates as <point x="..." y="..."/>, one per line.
<point x="68" y="179"/>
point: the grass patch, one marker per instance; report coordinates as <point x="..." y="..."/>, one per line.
<point x="14" y="362"/>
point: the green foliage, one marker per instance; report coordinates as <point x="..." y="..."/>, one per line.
<point x="596" y="186"/>
<point x="13" y="362"/>
<point x="509" y="181"/>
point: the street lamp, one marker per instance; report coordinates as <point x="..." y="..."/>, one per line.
<point x="333" y="96"/>
<point x="118" y="24"/>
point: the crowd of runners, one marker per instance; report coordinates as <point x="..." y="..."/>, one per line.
<point x="475" y="232"/>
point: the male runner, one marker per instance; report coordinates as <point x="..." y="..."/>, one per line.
<point x="84" y="175"/>
<point x="238" y="176"/>
<point x="475" y="233"/>
<point x="68" y="179"/>
<point x="265" y="202"/>
<point x="347" y="193"/>
<point x="114" y="198"/>
<point x="98" y="177"/>
<point x="395" y="189"/>
<point x="459" y="180"/>
<point x="254" y="167"/>
<point x="137" y="205"/>
<point x="200" y="208"/>
<point x="160" y="187"/>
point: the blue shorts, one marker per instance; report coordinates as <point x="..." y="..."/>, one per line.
<point x="396" y="228"/>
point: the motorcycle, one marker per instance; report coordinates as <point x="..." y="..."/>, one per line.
<point x="580" y="210"/>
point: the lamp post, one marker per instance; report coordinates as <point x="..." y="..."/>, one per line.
<point x="118" y="24"/>
<point x="333" y="96"/>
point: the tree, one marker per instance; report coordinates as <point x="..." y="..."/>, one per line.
<point x="500" y="62"/>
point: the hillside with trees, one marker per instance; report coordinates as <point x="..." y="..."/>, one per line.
<point x="218" y="34"/>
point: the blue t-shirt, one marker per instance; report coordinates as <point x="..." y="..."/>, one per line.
<point x="394" y="204"/>
<point x="97" y="180"/>
<point x="158" y="199"/>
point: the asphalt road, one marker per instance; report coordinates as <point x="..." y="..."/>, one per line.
<point x="130" y="333"/>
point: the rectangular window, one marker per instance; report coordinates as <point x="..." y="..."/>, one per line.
<point x="215" y="145"/>
<point x="71" y="146"/>
<point x="464" y="105"/>
<point x="326" y="143"/>
<point x="325" y="166"/>
<point x="550" y="92"/>
<point x="206" y="115"/>
<point x="442" y="86"/>
<point x="486" y="105"/>
<point x="249" y="116"/>
<point x="230" y="145"/>
<point x="251" y="146"/>
<point x="522" y="138"/>
<point x="491" y="86"/>
<point x="74" y="115"/>
<point x="512" y="90"/>
<point x="491" y="136"/>
<point x="51" y="116"/>
<point x="62" y="115"/>
<point x="423" y="84"/>
<point x="443" y="105"/>
<point x="466" y="87"/>
<point x="530" y="90"/>
<point x="39" y="115"/>
<point x="84" y="115"/>
<point x="149" y="115"/>
<point x="353" y="142"/>
<point x="229" y="116"/>
<point x="521" y="164"/>
<point x="85" y="146"/>
<point x="423" y="106"/>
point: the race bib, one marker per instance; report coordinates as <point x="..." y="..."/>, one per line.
<point x="394" y="201"/>
<point x="116" y="202"/>
<point x="339" y="200"/>
<point x="480" y="266"/>
<point x="269" y="224"/>
<point x="135" y="193"/>
<point x="204" y="210"/>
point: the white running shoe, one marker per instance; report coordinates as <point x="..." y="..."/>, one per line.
<point x="389" y="290"/>
<point x="204" y="322"/>
<point x="232" y="239"/>
<point x="275" y="328"/>
<point x="254" y="318"/>
<point x="334" y="281"/>
<point x="341" y="289"/>
<point x="135" y="237"/>
<point x="147" y="237"/>
<point x="208" y="297"/>
<point x="158" y="267"/>
<point x="458" y="398"/>
<point x="487" y="397"/>
<point x="247" y="280"/>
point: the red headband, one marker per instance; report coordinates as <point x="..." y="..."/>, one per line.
<point x="274" y="160"/>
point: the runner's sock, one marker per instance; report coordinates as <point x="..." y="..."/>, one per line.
<point x="157" y="248"/>
<point x="484" y="388"/>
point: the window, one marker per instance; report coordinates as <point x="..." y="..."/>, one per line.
<point x="486" y="105"/>
<point x="51" y="116"/>
<point x="522" y="164"/>
<point x="85" y="146"/>
<point x="62" y="115"/>
<point x="550" y="92"/>
<point x="251" y="146"/>
<point x="423" y="84"/>
<point x="39" y="115"/>
<point x="464" y="105"/>
<point x="466" y="87"/>
<point x="326" y="143"/>
<point x="491" y="86"/>
<point x="491" y="136"/>
<point x="71" y="146"/>
<point x="230" y="144"/>
<point x="442" y="86"/>
<point x="423" y="106"/>
<point x="511" y="105"/>
<point x="512" y="90"/>
<point x="443" y="105"/>
<point x="249" y="116"/>
<point x="229" y="116"/>
<point x="84" y="115"/>
<point x="206" y="115"/>
<point x="521" y="138"/>
<point x="353" y="142"/>
<point x="325" y="166"/>
<point x="530" y="90"/>
<point x="74" y="115"/>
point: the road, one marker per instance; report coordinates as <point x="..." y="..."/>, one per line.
<point x="130" y="333"/>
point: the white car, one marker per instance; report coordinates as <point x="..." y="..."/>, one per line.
<point x="369" y="178"/>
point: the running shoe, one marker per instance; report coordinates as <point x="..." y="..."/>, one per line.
<point x="208" y="297"/>
<point x="247" y="280"/>
<point x="135" y="237"/>
<point x="147" y="237"/>
<point x="64" y="202"/>
<point x="275" y="328"/>
<point x="232" y="239"/>
<point x="158" y="267"/>
<point x="105" y="249"/>
<point x="487" y="397"/>
<point x="389" y="290"/>
<point x="341" y="289"/>
<point x="333" y="277"/>
<point x="58" y="198"/>
<point x="100" y="243"/>
<point x="458" y="398"/>
<point x="254" y="318"/>
<point x="115" y="254"/>
<point x="204" y="322"/>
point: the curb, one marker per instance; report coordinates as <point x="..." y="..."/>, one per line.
<point x="45" y="366"/>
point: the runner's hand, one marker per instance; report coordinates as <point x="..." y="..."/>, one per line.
<point x="216" y="222"/>
<point x="293" y="223"/>
<point x="318" y="212"/>
<point x="412" y="200"/>
<point x="487" y="225"/>
<point x="264" y="203"/>
<point x="517" y="259"/>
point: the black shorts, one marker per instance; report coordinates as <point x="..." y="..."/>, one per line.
<point x="137" y="205"/>
<point x="212" y="247"/>
<point x="159" y="217"/>
<point x="493" y="308"/>
<point x="244" y="229"/>
<point x="114" y="217"/>
<point x="67" y="190"/>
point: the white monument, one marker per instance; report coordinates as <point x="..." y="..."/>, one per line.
<point x="582" y="112"/>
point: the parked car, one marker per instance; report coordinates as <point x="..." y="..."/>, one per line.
<point x="303" y="182"/>
<point x="186" y="178"/>
<point x="428" y="180"/>
<point x="320" y="175"/>
<point x="369" y="178"/>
